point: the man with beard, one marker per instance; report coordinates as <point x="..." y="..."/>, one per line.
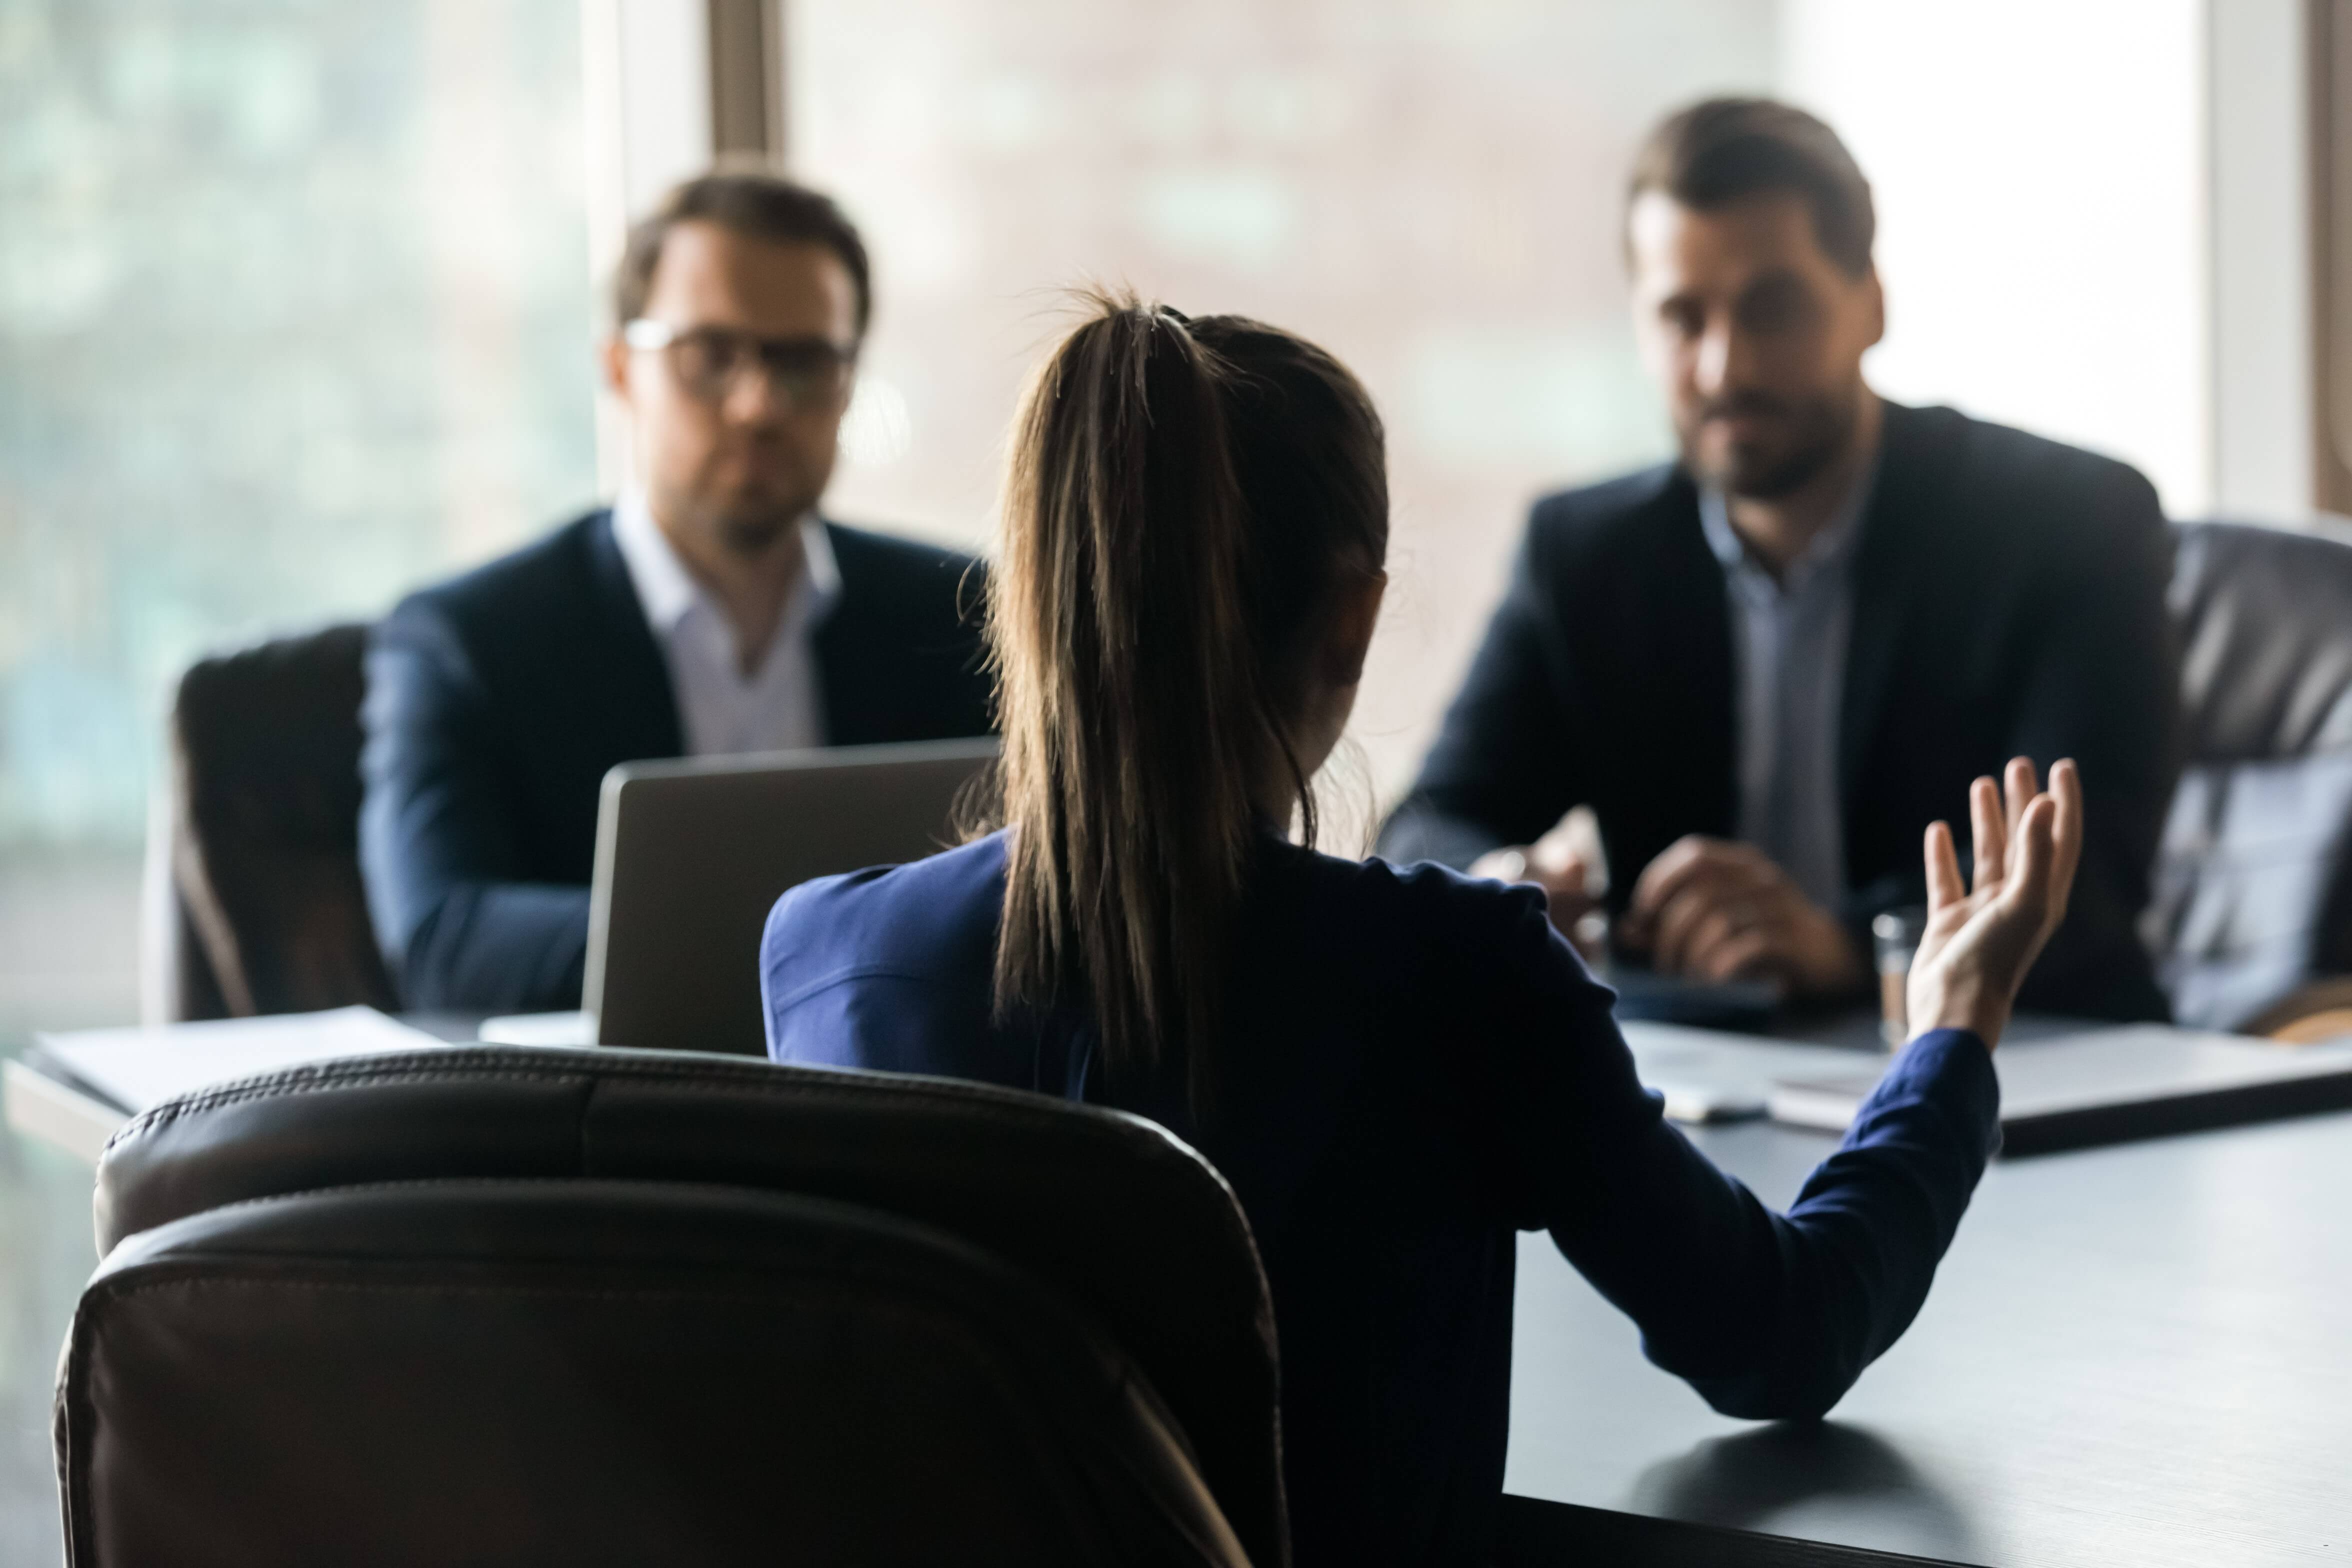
<point x="709" y="610"/>
<point x="1766" y="667"/>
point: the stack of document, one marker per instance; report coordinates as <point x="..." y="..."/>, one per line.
<point x="76" y="1089"/>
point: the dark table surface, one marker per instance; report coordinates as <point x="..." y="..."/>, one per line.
<point x="2140" y="1354"/>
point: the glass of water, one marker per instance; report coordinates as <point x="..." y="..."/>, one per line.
<point x="1895" y="936"/>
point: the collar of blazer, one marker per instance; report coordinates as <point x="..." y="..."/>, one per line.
<point x="1906" y="521"/>
<point x="634" y="647"/>
<point x="1900" y="555"/>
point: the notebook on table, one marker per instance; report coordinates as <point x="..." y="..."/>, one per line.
<point x="2108" y="1085"/>
<point x="1710" y="1075"/>
<point x="1644" y="995"/>
<point x="74" y="1090"/>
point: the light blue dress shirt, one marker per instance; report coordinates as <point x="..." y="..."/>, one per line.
<point x="1789" y="642"/>
<point x="721" y="711"/>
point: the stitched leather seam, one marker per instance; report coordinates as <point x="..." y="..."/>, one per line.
<point x="411" y="1184"/>
<point x="617" y="1293"/>
<point x="730" y="1079"/>
<point x="561" y="1182"/>
<point x="821" y="1083"/>
<point x="437" y="1067"/>
<point x="1110" y="1360"/>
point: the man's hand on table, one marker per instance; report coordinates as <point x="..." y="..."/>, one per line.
<point x="1567" y="864"/>
<point x="1714" y="909"/>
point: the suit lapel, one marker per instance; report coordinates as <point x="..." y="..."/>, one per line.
<point x="636" y="683"/>
<point x="846" y="701"/>
<point x="1688" y="642"/>
<point x="1899" y="527"/>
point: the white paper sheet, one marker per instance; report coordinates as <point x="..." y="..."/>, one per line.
<point x="139" y="1068"/>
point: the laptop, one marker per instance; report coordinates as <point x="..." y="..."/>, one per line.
<point x="2062" y="1086"/>
<point x="2108" y="1085"/>
<point x="1739" y="1005"/>
<point x="692" y="854"/>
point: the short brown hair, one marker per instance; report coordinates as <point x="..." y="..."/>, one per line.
<point x="751" y="202"/>
<point x="1725" y="149"/>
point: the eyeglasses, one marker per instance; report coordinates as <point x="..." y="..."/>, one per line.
<point x="806" y="374"/>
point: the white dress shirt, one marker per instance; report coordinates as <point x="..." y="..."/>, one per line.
<point x="780" y="706"/>
<point x="1789" y="642"/>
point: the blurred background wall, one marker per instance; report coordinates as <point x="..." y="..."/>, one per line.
<point x="297" y="300"/>
<point x="2039" y="168"/>
<point x="1429" y="190"/>
<point x="294" y="311"/>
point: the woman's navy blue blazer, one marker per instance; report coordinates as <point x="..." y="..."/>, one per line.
<point x="1416" y="1067"/>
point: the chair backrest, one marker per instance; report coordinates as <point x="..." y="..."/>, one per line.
<point x="2254" y="884"/>
<point x="1106" y="1214"/>
<point x="269" y="912"/>
<point x="624" y="1372"/>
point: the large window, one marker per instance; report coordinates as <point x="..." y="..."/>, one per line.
<point x="1428" y="188"/>
<point x="2042" y="173"/>
<point x="294" y="311"/>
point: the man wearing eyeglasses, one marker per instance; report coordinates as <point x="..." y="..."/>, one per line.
<point x="710" y="609"/>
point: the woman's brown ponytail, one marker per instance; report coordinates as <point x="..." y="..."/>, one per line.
<point x="1146" y="611"/>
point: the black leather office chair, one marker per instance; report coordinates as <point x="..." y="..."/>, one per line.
<point x="498" y="1305"/>
<point x="2253" y="887"/>
<point x="265" y="911"/>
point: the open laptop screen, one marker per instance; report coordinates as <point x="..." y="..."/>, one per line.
<point x="692" y="854"/>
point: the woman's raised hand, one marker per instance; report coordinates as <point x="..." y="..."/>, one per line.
<point x="1980" y="941"/>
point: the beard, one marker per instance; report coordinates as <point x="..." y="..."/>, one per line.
<point x="1813" y="434"/>
<point x="747" y="518"/>
<point x="755" y="532"/>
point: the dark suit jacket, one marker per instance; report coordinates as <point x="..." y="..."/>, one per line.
<point x="2009" y="599"/>
<point x="497" y="703"/>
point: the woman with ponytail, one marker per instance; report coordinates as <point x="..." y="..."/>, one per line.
<point x="1397" y="1068"/>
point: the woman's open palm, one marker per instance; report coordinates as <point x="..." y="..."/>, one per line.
<point x="1982" y="939"/>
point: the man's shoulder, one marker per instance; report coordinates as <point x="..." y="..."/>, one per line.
<point x="2003" y="473"/>
<point x="1611" y="517"/>
<point x="1615" y="502"/>
<point x="549" y="577"/>
<point x="865" y="553"/>
<point x="901" y="600"/>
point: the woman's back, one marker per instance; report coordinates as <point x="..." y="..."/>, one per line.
<point x="1395" y="1069"/>
<point x="1415" y="1066"/>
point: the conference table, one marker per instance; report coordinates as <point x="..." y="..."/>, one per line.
<point x="2138" y="1354"/>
